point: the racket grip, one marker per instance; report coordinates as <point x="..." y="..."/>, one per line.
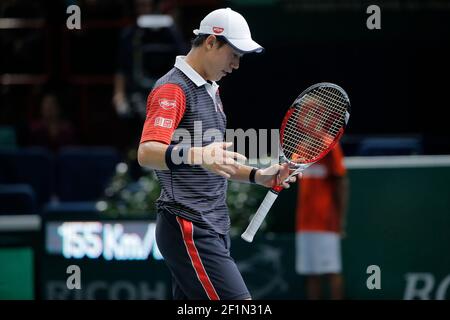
<point x="259" y="216"/>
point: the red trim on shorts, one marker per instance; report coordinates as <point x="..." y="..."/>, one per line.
<point x="187" y="229"/>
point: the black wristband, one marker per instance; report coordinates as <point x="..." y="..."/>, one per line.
<point x="252" y="175"/>
<point x="176" y="161"/>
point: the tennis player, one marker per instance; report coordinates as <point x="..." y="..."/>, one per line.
<point x="193" y="222"/>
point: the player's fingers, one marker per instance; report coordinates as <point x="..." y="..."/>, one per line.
<point x="226" y="145"/>
<point x="277" y="178"/>
<point x="292" y="179"/>
<point x="272" y="170"/>
<point x="286" y="185"/>
<point x="223" y="174"/>
<point x="235" y="155"/>
<point x="231" y="162"/>
<point x="228" y="169"/>
<point x="284" y="172"/>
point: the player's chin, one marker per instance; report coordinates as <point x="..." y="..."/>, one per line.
<point x="221" y="75"/>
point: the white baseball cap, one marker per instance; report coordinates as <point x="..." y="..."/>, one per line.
<point x="232" y="26"/>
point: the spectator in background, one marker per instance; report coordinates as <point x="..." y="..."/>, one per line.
<point x="123" y="79"/>
<point x="51" y="129"/>
<point x="131" y="82"/>
<point x="144" y="55"/>
<point x="320" y="224"/>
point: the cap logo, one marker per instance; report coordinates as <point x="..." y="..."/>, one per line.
<point x="217" y="29"/>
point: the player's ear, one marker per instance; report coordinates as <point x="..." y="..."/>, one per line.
<point x="210" y="41"/>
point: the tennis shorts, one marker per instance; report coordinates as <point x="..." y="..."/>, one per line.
<point x="318" y="253"/>
<point x="199" y="261"/>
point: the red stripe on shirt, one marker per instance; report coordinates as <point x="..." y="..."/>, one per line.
<point x="187" y="230"/>
<point x="165" y="109"/>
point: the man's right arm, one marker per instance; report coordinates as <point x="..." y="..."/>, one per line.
<point x="165" y="108"/>
<point x="151" y="154"/>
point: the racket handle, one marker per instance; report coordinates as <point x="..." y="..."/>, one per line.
<point x="259" y="216"/>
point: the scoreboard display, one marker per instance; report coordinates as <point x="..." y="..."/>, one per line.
<point x="115" y="240"/>
<point x="116" y="259"/>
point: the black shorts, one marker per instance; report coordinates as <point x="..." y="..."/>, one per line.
<point x="199" y="261"/>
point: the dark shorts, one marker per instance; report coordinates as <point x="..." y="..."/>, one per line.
<point x="199" y="261"/>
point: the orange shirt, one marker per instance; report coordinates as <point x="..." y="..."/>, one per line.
<point x="316" y="209"/>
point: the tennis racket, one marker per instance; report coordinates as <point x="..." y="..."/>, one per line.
<point x="311" y="127"/>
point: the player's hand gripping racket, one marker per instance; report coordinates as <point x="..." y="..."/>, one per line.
<point x="312" y="126"/>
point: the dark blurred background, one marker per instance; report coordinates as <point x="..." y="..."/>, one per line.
<point x="72" y="106"/>
<point x="396" y="77"/>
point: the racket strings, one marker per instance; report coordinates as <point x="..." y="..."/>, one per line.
<point x="320" y="138"/>
<point x="325" y="110"/>
<point x="321" y="115"/>
<point x="340" y="106"/>
<point x="317" y="126"/>
<point x="292" y="139"/>
<point x="310" y="149"/>
<point x="304" y="148"/>
<point x="327" y="117"/>
<point x="337" y="98"/>
<point x="293" y="142"/>
<point x="333" y="127"/>
<point x="333" y="108"/>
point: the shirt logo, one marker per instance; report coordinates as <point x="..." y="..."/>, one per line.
<point x="163" y="122"/>
<point x="217" y="29"/>
<point x="167" y="104"/>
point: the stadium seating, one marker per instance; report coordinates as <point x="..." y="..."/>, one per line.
<point x="33" y="166"/>
<point x="17" y="199"/>
<point x="390" y="146"/>
<point x="83" y="173"/>
<point x="66" y="209"/>
<point x="8" y="138"/>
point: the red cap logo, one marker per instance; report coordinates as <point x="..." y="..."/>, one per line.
<point x="217" y="29"/>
